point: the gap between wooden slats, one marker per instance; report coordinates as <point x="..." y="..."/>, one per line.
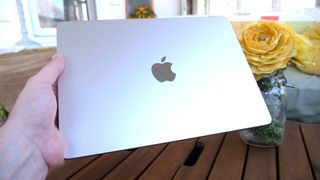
<point x="261" y="163"/>
<point x="169" y="161"/>
<point x="293" y="160"/>
<point x="311" y="136"/>
<point x="70" y="167"/>
<point x="102" y="165"/>
<point x="134" y="165"/>
<point x="231" y="158"/>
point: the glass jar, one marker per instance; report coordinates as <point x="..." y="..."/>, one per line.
<point x="273" y="90"/>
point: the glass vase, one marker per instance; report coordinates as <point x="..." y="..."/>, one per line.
<point x="273" y="90"/>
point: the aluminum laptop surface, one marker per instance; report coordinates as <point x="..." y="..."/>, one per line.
<point x="118" y="92"/>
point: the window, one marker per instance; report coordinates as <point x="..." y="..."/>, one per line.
<point x="228" y="7"/>
<point x="297" y="4"/>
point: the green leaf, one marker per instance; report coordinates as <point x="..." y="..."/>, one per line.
<point x="3" y="113"/>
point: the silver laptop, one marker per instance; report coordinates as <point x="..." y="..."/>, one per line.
<point x="133" y="83"/>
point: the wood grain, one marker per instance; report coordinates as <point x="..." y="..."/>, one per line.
<point x="261" y="164"/>
<point x="101" y="166"/>
<point x="311" y="134"/>
<point x="136" y="163"/>
<point x="293" y="159"/>
<point x="170" y="160"/>
<point x="231" y="158"/>
<point x="70" y="167"/>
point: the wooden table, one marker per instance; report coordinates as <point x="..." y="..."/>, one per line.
<point x="221" y="156"/>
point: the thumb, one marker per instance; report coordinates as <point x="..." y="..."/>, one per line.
<point x="50" y="72"/>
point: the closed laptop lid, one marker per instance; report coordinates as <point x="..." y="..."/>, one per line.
<point x="133" y="83"/>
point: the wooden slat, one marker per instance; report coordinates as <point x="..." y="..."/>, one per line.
<point x="201" y="169"/>
<point x="70" y="167"/>
<point x="136" y="163"/>
<point x="261" y="164"/>
<point x="169" y="161"/>
<point x="293" y="159"/>
<point x="231" y="158"/>
<point x="228" y="158"/>
<point x="16" y="69"/>
<point x="101" y="166"/>
<point x="311" y="133"/>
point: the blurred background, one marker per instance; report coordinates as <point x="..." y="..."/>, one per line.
<point x="40" y="17"/>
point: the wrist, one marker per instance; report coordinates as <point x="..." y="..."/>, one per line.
<point x="19" y="157"/>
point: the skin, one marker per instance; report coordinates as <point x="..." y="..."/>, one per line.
<point x="30" y="143"/>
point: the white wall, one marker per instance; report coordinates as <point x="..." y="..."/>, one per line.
<point x="5" y="13"/>
<point x="9" y="27"/>
<point x="167" y="8"/>
<point x="111" y="9"/>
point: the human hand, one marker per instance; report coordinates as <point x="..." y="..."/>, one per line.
<point x="33" y="115"/>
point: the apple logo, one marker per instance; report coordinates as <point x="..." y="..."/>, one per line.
<point x="162" y="71"/>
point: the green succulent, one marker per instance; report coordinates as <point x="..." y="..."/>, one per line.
<point x="269" y="134"/>
<point x="3" y="114"/>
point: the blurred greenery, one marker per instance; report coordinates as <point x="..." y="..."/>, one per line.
<point x="3" y="113"/>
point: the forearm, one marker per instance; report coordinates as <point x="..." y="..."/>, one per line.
<point x="19" y="159"/>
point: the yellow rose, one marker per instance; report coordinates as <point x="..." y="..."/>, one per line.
<point x="267" y="45"/>
<point x="313" y="32"/>
<point x="308" y="50"/>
